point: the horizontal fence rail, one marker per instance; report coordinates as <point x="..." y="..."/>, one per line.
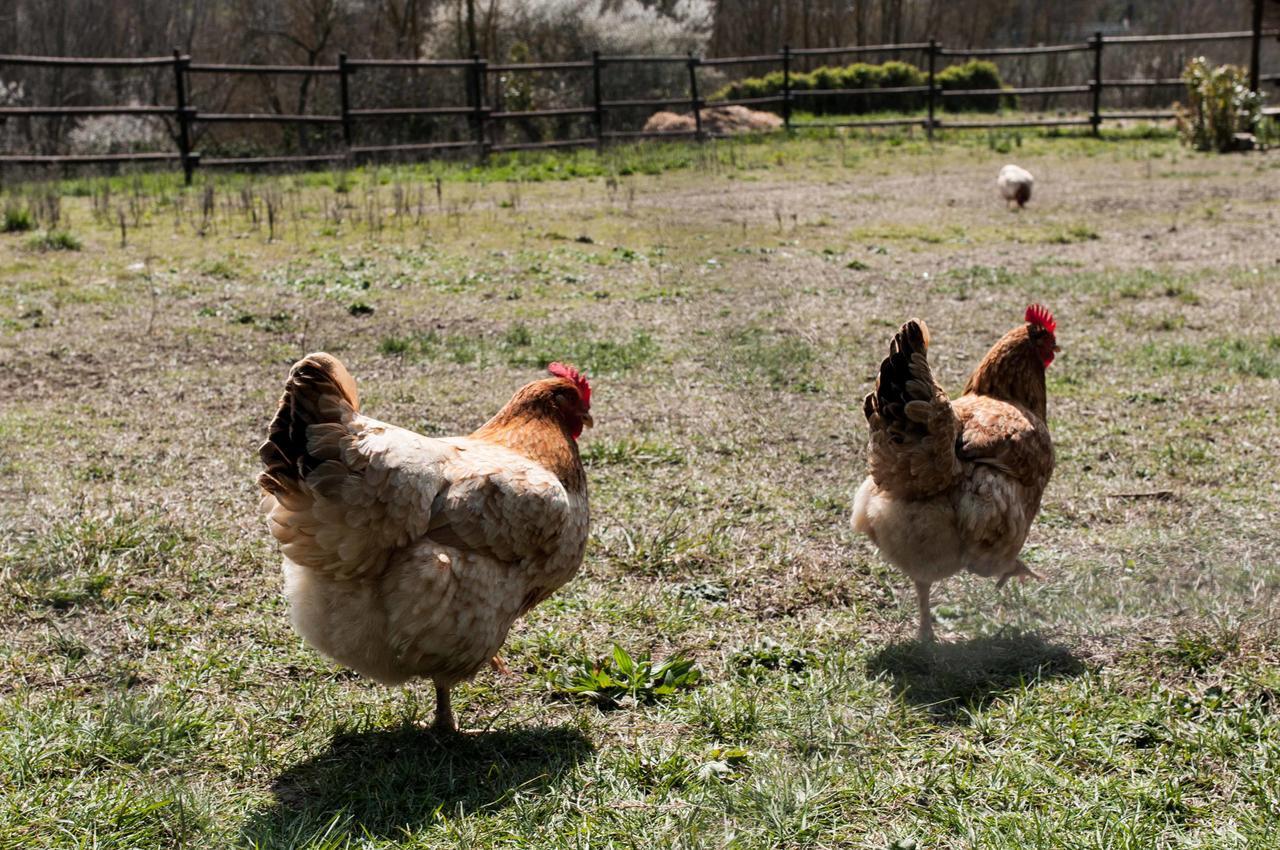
<point x="483" y="116"/>
<point x="76" y="61"/>
<point x="309" y="70"/>
<point x="1015" y="51"/>
<point x="858" y="48"/>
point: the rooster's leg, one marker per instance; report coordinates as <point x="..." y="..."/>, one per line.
<point x="445" y="721"/>
<point x="926" y="616"/>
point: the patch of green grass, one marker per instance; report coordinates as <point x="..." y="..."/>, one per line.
<point x="88" y="560"/>
<point x="220" y="268"/>
<point x="768" y="656"/>
<point x="1201" y="651"/>
<point x="530" y="346"/>
<point x="576" y="343"/>
<point x="780" y="359"/>
<point x="962" y="282"/>
<point x="1258" y="358"/>
<point x="276" y="323"/>
<point x="423" y="344"/>
<point x="55" y="240"/>
<point x="630" y="452"/>
<point x="948" y="679"/>
<point x="144" y="730"/>
<point x="1071" y="234"/>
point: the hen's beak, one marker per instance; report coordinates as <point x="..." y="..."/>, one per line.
<point x="586" y="420"/>
<point x="1056" y="348"/>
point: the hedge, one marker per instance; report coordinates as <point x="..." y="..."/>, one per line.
<point x="975" y="74"/>
<point x="861" y="75"/>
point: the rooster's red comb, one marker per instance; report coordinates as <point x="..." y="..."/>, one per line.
<point x="1038" y="314"/>
<point x="563" y="370"/>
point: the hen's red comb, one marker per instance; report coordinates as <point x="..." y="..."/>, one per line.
<point x="1038" y="314"/>
<point x="563" y="370"/>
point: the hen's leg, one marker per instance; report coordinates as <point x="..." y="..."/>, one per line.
<point x="926" y="616"/>
<point x="445" y="721"/>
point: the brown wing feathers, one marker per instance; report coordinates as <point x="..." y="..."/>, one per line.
<point x="319" y="390"/>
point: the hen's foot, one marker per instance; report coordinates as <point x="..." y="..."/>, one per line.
<point x="499" y="666"/>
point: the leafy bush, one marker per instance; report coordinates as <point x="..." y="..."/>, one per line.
<point x="1220" y="105"/>
<point x="861" y="75"/>
<point x="896" y="75"/>
<point x="621" y="679"/>
<point x="974" y="74"/>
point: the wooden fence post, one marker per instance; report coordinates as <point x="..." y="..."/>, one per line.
<point x="933" y="86"/>
<point x="1255" y="48"/>
<point x="597" y="117"/>
<point x="786" y="86"/>
<point x="180" y="63"/>
<point x="344" y="99"/>
<point x="693" y="96"/>
<point x="1095" y="118"/>
<point x="477" y="103"/>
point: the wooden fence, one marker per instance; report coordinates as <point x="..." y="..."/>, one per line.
<point x="483" y="119"/>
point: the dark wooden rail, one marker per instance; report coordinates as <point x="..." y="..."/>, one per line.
<point x="485" y="119"/>
<point x="1015" y="51"/>
<point x="859" y="48"/>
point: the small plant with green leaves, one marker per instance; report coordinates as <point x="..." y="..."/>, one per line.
<point x="1220" y="105"/>
<point x="621" y="680"/>
<point x="723" y="763"/>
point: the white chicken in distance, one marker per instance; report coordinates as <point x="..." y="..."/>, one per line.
<point x="1015" y="185"/>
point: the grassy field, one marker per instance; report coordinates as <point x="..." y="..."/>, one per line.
<point x="732" y="304"/>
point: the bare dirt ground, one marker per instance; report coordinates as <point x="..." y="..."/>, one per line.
<point x="732" y="315"/>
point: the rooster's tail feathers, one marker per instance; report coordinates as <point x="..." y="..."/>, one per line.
<point x="913" y="427"/>
<point x="904" y="377"/>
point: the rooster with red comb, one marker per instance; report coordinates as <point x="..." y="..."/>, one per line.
<point x="955" y="484"/>
<point x="409" y="556"/>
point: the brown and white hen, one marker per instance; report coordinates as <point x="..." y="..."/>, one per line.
<point x="407" y="555"/>
<point x="954" y="485"/>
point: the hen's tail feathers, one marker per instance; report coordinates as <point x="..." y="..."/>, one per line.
<point x="913" y="427"/>
<point x="319" y="390"/>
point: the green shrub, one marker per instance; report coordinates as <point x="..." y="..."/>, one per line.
<point x="897" y="75"/>
<point x="974" y="74"/>
<point x="1219" y="106"/>
<point x="861" y="75"/>
<point x="17" y="220"/>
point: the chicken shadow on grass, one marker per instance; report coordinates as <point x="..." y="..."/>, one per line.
<point x="388" y="782"/>
<point x="947" y="679"/>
